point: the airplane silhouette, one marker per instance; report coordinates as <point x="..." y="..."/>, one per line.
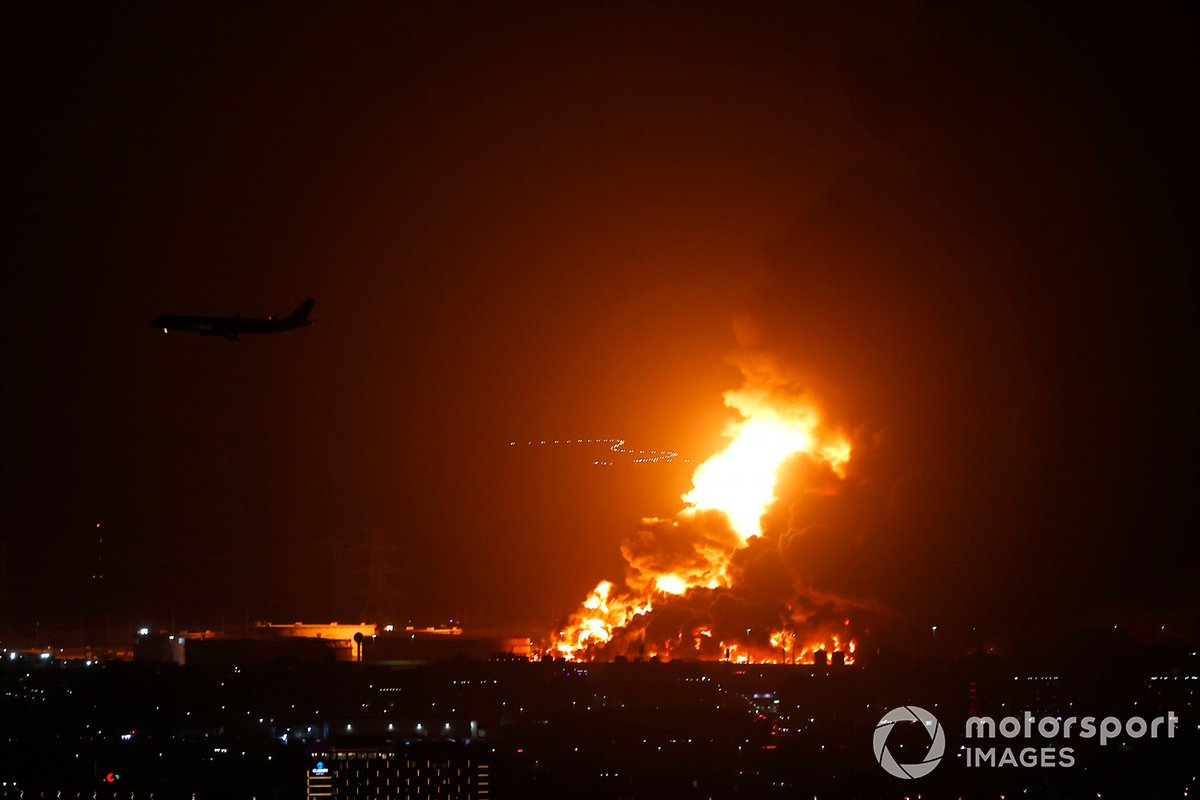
<point x="232" y="327"/>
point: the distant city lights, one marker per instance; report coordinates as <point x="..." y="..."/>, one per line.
<point x="615" y="445"/>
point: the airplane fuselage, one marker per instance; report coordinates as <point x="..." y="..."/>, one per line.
<point x="233" y="327"/>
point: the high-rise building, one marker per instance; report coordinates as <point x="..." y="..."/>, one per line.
<point x="420" y="771"/>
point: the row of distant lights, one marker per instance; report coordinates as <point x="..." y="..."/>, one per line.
<point x="13" y="655"/>
<point x="643" y="456"/>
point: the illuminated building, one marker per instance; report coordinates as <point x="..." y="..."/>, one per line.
<point x="265" y="643"/>
<point x="159" y="647"/>
<point x="413" y="772"/>
<point x="424" y="645"/>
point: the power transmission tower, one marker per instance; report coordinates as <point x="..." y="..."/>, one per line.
<point x="383" y="586"/>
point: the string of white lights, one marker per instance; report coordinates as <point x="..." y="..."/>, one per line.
<point x="615" y="445"/>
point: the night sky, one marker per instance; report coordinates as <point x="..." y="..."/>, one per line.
<point x="969" y="231"/>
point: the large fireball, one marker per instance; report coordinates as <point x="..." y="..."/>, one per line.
<point x="738" y="482"/>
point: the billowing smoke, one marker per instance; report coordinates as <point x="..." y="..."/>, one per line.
<point x="699" y="586"/>
<point x="693" y="549"/>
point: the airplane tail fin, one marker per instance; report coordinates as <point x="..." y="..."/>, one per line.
<point x="301" y="313"/>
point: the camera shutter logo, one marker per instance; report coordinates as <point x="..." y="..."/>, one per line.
<point x="937" y="742"/>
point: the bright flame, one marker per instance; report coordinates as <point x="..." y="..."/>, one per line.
<point x="594" y="623"/>
<point x="740" y="482"/>
<point x="670" y="584"/>
<point x="837" y="454"/>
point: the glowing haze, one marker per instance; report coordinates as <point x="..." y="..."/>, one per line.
<point x="679" y="569"/>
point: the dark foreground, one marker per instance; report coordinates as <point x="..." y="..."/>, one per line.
<point x="620" y="730"/>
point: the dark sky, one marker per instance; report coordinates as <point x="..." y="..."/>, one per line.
<point x="970" y="230"/>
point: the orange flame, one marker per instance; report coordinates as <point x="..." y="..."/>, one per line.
<point x="670" y="584"/>
<point x="602" y="612"/>
<point x="739" y="482"/>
